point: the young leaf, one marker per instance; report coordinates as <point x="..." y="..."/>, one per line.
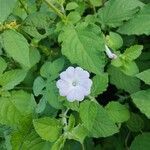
<point x="96" y="2"/>
<point x="139" y="25"/>
<point x="141" y="142"/>
<point x="48" y="128"/>
<point x="11" y="78"/>
<point x="116" y="11"/>
<point x="71" y="6"/>
<point x="114" y="40"/>
<point x="81" y="45"/>
<point x="6" y="8"/>
<point x="144" y="76"/>
<point x="117" y="112"/>
<point x="3" y="65"/>
<point x="142" y="101"/>
<point x="17" y="108"/>
<point x="133" y="52"/>
<point x="16" y="46"/>
<point x="100" y="83"/>
<point x="129" y="68"/>
<point x="74" y="17"/>
<point x="96" y="119"/>
<point x="122" y="81"/>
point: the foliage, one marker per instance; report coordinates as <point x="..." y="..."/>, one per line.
<point x="39" y="39"/>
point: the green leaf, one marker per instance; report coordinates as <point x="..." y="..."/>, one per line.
<point x="16" y="46"/>
<point x="141" y="142"/>
<point x="117" y="112"/>
<point x="142" y="101"/>
<point x="71" y="105"/>
<point x="96" y="119"/>
<point x="38" y="86"/>
<point x="52" y="68"/>
<point x="96" y="2"/>
<point x="41" y="106"/>
<point x="144" y="76"/>
<point x="125" y="61"/>
<point x="51" y="95"/>
<point x="11" y="78"/>
<point x="49" y="129"/>
<point x="71" y="123"/>
<point x="116" y="11"/>
<point x="6" y="8"/>
<point x="135" y="123"/>
<point x="130" y="68"/>
<point x="139" y="25"/>
<point x="122" y="81"/>
<point x="17" y="108"/>
<point x="114" y="41"/>
<point x="100" y="83"/>
<point x="78" y="133"/>
<point x="34" y="56"/>
<point x="59" y="144"/>
<point x="132" y="52"/>
<point x="28" y="140"/>
<point x="83" y="46"/>
<point x="3" y="65"/>
<point x="38" y="25"/>
<point x="74" y="17"/>
<point x="71" y="6"/>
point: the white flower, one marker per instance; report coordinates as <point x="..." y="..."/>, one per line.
<point x="109" y="53"/>
<point x="74" y="83"/>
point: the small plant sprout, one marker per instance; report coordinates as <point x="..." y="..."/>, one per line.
<point x="74" y="83"/>
<point x="109" y="53"/>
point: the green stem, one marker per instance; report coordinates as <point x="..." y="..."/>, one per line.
<point x="92" y="99"/>
<point x="25" y="88"/>
<point x="126" y="141"/>
<point x="57" y="11"/>
<point x="83" y="148"/>
<point x="64" y="119"/>
<point x="24" y="7"/>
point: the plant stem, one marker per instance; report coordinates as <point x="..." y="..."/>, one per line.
<point x="92" y="99"/>
<point x="20" y="1"/>
<point x="126" y="141"/>
<point x="64" y="119"/>
<point x="25" y="88"/>
<point x="83" y="148"/>
<point x="57" y="11"/>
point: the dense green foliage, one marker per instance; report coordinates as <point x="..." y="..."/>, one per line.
<point x="39" y="39"/>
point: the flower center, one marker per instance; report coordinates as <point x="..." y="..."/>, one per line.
<point x="74" y="83"/>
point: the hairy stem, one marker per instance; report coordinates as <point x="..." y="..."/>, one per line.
<point x="57" y="11"/>
<point x="20" y="1"/>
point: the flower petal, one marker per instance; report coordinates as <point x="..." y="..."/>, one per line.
<point x="76" y="94"/>
<point x="86" y="83"/>
<point x="68" y="75"/>
<point x="79" y="72"/>
<point x="63" y="86"/>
